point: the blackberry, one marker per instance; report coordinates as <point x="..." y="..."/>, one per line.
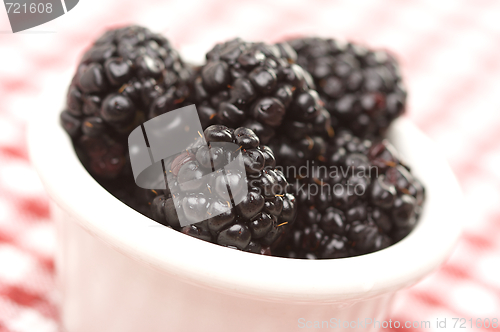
<point x="213" y="198"/>
<point x="103" y="156"/>
<point x="361" y="198"/>
<point x="258" y="86"/>
<point x="128" y="75"/>
<point x="299" y="152"/>
<point x="361" y="88"/>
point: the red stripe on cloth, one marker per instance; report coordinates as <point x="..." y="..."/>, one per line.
<point x="48" y="264"/>
<point x="478" y="241"/>
<point x="16" y="85"/>
<point x="50" y="62"/>
<point x="5" y="238"/>
<point x="429" y="299"/>
<point x="3" y="328"/>
<point x="22" y="297"/>
<point x="38" y="207"/>
<point x="47" y="308"/>
<point x="459" y="272"/>
<point x="19" y="153"/>
<point x="456" y="271"/>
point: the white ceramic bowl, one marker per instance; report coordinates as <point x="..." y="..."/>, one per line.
<point x="118" y="271"/>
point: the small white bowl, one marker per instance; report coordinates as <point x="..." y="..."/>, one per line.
<point x="118" y="271"/>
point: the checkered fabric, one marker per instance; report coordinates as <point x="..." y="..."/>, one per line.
<point x="450" y="56"/>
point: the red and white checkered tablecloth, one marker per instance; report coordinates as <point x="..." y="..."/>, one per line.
<point x="450" y="56"/>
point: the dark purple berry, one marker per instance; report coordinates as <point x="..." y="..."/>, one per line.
<point x="251" y="205"/>
<point x="117" y="108"/>
<point x="336" y="247"/>
<point x="74" y="102"/>
<point x="382" y="193"/>
<point x="264" y="79"/>
<point x="246" y="138"/>
<point x="91" y="78"/>
<point x="70" y="123"/>
<point x="333" y="221"/>
<point x="358" y="198"/>
<point x="118" y="70"/>
<point x="237" y="236"/>
<point x="229" y="114"/>
<point x="247" y="210"/>
<point x="215" y="76"/>
<point x="199" y="231"/>
<point x="269" y="111"/>
<point x="361" y="88"/>
<point x="260" y="225"/>
<point x="403" y="211"/>
<point x="221" y="216"/>
<point x="127" y="76"/>
<point x="93" y="126"/>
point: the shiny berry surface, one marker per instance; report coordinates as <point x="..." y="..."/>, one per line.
<point x="356" y="198"/>
<point x="127" y="76"/>
<point x="261" y="218"/>
<point x="257" y="86"/>
<point x="362" y="88"/>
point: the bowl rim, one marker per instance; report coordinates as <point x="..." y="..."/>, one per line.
<point x="240" y="273"/>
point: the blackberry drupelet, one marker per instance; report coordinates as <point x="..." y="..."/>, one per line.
<point x="360" y="87"/>
<point x="257" y="224"/>
<point x="360" y="199"/>
<point x="128" y="76"/>
<point x="302" y="138"/>
<point x="258" y="86"/>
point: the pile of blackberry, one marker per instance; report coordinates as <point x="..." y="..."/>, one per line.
<point x="362" y="198"/>
<point x="128" y="76"/>
<point x="319" y="104"/>
<point x="362" y="88"/>
<point x="199" y="189"/>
